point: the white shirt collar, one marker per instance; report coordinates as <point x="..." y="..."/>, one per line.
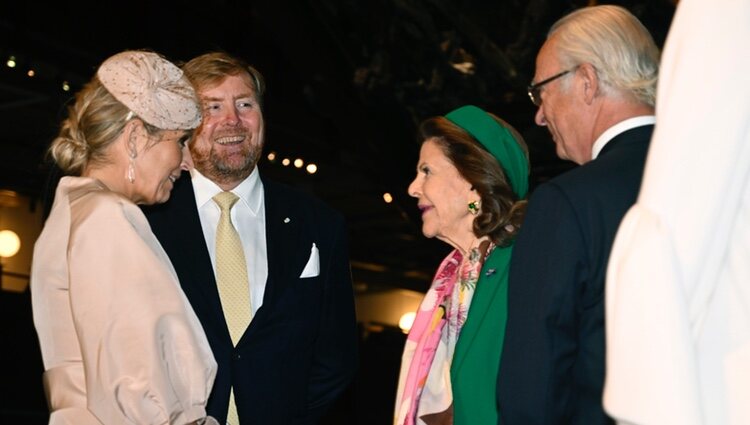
<point x="250" y="191"/>
<point x="618" y="128"/>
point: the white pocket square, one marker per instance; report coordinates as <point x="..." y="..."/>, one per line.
<point x="312" y="268"/>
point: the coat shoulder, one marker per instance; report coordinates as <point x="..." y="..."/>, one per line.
<point x="299" y="200"/>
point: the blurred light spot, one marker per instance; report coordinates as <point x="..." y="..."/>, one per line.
<point x="10" y="243"/>
<point x="464" y="67"/>
<point x="406" y="321"/>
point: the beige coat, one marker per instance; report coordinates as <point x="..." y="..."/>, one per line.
<point x="119" y="340"/>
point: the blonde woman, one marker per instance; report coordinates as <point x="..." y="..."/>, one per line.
<point x="120" y="342"/>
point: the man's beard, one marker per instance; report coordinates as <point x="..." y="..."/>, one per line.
<point x="221" y="169"/>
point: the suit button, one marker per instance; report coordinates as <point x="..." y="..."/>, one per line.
<point x="237" y="356"/>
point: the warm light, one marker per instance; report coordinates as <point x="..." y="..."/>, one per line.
<point x="9" y="243"/>
<point x="406" y="321"/>
<point x="65" y="86"/>
<point x="464" y="67"/>
<point x="272" y="156"/>
<point x="11" y="62"/>
<point x="31" y="73"/>
<point x="387" y="198"/>
<point x="312" y="168"/>
<point x="285" y="162"/>
<point x="299" y="163"/>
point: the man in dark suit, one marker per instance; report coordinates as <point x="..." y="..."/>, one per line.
<point x="293" y="351"/>
<point x="595" y="87"/>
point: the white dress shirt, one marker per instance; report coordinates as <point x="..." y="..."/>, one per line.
<point x="248" y="217"/>
<point x="617" y="129"/>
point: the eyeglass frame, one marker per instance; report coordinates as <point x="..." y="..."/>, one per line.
<point x="535" y="90"/>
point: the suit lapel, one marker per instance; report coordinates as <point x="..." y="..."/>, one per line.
<point x="284" y="242"/>
<point x="483" y="306"/>
<point x="182" y="234"/>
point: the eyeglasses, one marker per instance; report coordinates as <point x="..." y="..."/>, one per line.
<point x="534" y="90"/>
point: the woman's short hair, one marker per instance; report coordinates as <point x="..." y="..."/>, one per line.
<point x="94" y="121"/>
<point x="211" y="69"/>
<point x="501" y="210"/>
<point x="616" y="43"/>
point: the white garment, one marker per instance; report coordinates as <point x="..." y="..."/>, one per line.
<point x="248" y="217"/>
<point x="678" y="282"/>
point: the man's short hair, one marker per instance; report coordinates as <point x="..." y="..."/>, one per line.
<point x="212" y="68"/>
<point x="616" y="43"/>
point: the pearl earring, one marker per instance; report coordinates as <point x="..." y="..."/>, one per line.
<point x="130" y="175"/>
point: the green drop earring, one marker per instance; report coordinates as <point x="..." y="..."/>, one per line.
<point x="474" y="207"/>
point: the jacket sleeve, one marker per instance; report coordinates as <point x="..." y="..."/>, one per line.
<point x="145" y="361"/>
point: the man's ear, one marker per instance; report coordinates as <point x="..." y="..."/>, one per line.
<point x="187" y="159"/>
<point x="590" y="82"/>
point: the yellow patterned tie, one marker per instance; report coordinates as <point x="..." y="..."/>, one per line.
<point x="232" y="281"/>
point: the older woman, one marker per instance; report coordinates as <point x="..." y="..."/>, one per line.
<point x="120" y="342"/>
<point x="472" y="177"/>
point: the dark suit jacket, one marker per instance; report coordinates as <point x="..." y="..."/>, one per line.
<point x="552" y="366"/>
<point x="299" y="352"/>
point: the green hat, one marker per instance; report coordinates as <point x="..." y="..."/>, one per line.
<point x="499" y="141"/>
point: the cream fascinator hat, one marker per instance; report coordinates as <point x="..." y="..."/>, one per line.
<point x="153" y="88"/>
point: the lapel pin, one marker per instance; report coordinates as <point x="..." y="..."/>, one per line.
<point x="287" y="220"/>
<point x="490" y="272"/>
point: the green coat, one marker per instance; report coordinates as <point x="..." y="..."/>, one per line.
<point x="476" y="361"/>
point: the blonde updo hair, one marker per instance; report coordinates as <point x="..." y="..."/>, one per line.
<point x="616" y="43"/>
<point x="94" y="121"/>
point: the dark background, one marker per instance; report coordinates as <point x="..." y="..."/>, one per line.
<point x="348" y="82"/>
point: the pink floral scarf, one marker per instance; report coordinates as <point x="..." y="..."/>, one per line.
<point x="424" y="389"/>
